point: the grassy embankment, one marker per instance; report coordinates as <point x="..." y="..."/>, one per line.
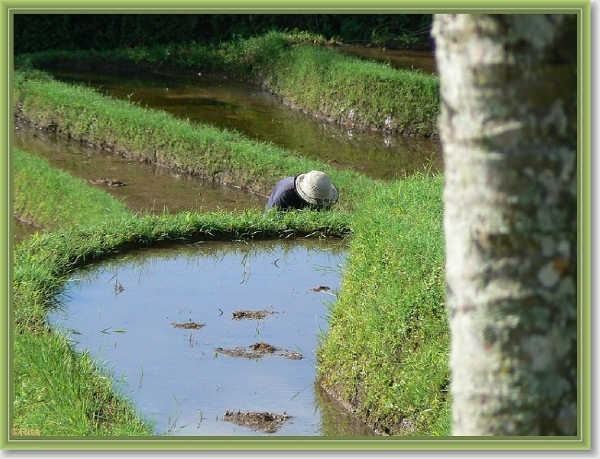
<point x="386" y="352"/>
<point x="316" y="79"/>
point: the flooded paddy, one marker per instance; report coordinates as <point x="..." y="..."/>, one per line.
<point x="260" y="115"/>
<point x="143" y="187"/>
<point x="215" y="338"/>
<point x="225" y="104"/>
<point x="203" y="335"/>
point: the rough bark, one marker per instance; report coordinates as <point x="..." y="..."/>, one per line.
<point x="508" y="127"/>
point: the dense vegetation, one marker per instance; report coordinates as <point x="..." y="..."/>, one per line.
<point x="42" y="32"/>
<point x="386" y="351"/>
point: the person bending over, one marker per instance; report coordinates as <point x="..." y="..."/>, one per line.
<point x="312" y="190"/>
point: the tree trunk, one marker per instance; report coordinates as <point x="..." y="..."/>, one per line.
<point x="508" y="126"/>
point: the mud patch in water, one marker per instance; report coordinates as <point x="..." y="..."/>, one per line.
<point x="245" y="314"/>
<point x="258" y="350"/>
<point x="267" y="422"/>
<point x="189" y="325"/>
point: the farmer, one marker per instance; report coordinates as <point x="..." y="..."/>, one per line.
<point x="312" y="190"/>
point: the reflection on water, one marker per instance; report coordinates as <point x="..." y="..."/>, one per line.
<point x="123" y="312"/>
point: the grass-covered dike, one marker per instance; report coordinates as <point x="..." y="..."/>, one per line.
<point x="300" y="68"/>
<point x="385" y="356"/>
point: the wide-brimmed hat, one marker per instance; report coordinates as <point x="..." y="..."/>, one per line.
<point x="315" y="187"/>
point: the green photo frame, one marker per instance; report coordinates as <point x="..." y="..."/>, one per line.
<point x="14" y="437"/>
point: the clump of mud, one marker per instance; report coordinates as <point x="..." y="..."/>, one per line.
<point x="246" y="314"/>
<point x="267" y="422"/>
<point x="109" y="182"/>
<point x="189" y="325"/>
<point x="258" y="350"/>
<point x="263" y="348"/>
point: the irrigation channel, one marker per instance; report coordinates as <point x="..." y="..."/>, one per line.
<point x="215" y="338"/>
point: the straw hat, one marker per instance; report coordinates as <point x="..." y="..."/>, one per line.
<point x="315" y="187"/>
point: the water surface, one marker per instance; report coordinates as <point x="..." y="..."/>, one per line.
<point x="147" y="187"/>
<point x="259" y="115"/>
<point x="123" y="312"/>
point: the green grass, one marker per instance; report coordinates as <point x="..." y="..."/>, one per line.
<point x="350" y="90"/>
<point x="386" y="351"/>
<point x="40" y="191"/>
<point x="58" y="392"/>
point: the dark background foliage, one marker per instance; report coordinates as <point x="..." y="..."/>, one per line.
<point x="43" y="32"/>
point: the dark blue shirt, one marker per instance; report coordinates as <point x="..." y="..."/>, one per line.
<point x="284" y="196"/>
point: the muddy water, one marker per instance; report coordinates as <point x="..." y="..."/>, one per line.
<point x="423" y="61"/>
<point x="125" y="312"/>
<point x="141" y="186"/>
<point x="22" y="230"/>
<point x="260" y="115"/>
